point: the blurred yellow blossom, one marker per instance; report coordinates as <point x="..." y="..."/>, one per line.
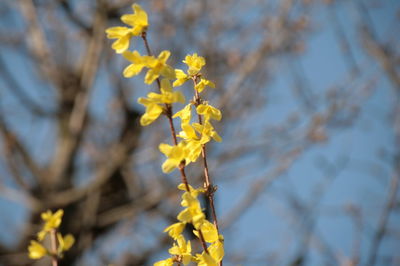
<point x="65" y="243"/>
<point x="138" y="20"/>
<point x="36" y="250"/>
<point x="167" y="262"/>
<point x="139" y="24"/>
<point x="52" y="221"/>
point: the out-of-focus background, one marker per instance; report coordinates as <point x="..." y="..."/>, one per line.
<point x="309" y="166"/>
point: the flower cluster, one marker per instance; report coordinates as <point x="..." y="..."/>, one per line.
<point x="204" y="230"/>
<point x="62" y="243"/>
<point x="188" y="144"/>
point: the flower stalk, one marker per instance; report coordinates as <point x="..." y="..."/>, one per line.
<point x="188" y="145"/>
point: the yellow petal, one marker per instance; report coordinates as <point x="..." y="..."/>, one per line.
<point x="168" y="72"/>
<point x="165" y="148"/>
<point x="166" y="85"/>
<point x="167" y="262"/>
<point x="216" y="250"/>
<point x="132" y="70"/>
<point x="168" y="166"/>
<point x="209" y="232"/>
<point x="121" y="45"/>
<point x="117" y="32"/>
<point x="164" y="55"/>
<point x="153" y="111"/>
<point x="36" y="250"/>
<point x="150" y="76"/>
<point x="175" y="229"/>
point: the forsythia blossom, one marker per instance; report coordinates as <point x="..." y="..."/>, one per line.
<point x="139" y="23"/>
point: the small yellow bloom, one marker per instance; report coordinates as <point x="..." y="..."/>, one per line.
<point x="205" y="259"/>
<point x="139" y="23"/>
<point x="217" y="250"/>
<point x="138" y="20"/>
<point x="123" y="36"/>
<point x="65" y="243"/>
<point x="193" y="143"/>
<point x="153" y="111"/>
<point x="52" y="221"/>
<point x="159" y="67"/>
<point x="195" y="63"/>
<point x="167" y="95"/>
<point x="183" y="249"/>
<point x="209" y="232"/>
<point x="138" y="63"/>
<point x="209" y="112"/>
<point x="181" y="78"/>
<point x="175" y="155"/>
<point x="36" y="250"/>
<point x="175" y="230"/>
<point x="185" y="114"/>
<point x="203" y="83"/>
<point x="166" y="262"/>
<point x="193" y="213"/>
<point x="207" y="131"/>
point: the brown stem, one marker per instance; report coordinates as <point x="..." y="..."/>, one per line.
<point x="168" y="113"/>
<point x="203" y="242"/>
<point x="53" y="240"/>
<point x="209" y="187"/>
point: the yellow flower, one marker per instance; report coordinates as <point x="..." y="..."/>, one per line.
<point x="181" y="78"/>
<point x="183" y="249"/>
<point x="185" y="114"/>
<point x="209" y="232"/>
<point x="36" y="250"/>
<point x="216" y="250"/>
<point x="207" y="130"/>
<point x="52" y="221"/>
<point x="203" y="83"/>
<point x="167" y="95"/>
<point x="205" y="259"/>
<point x="209" y="111"/>
<point x="153" y="101"/>
<point x="159" y="67"/>
<point x="167" y="262"/>
<point x="153" y="111"/>
<point x="193" y="213"/>
<point x="195" y="63"/>
<point x="139" y="23"/>
<point x="138" y="63"/>
<point x="175" y="230"/>
<point x="138" y="20"/>
<point x="193" y="143"/>
<point x="65" y="243"/>
<point x="175" y="155"/>
<point x="123" y="36"/>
